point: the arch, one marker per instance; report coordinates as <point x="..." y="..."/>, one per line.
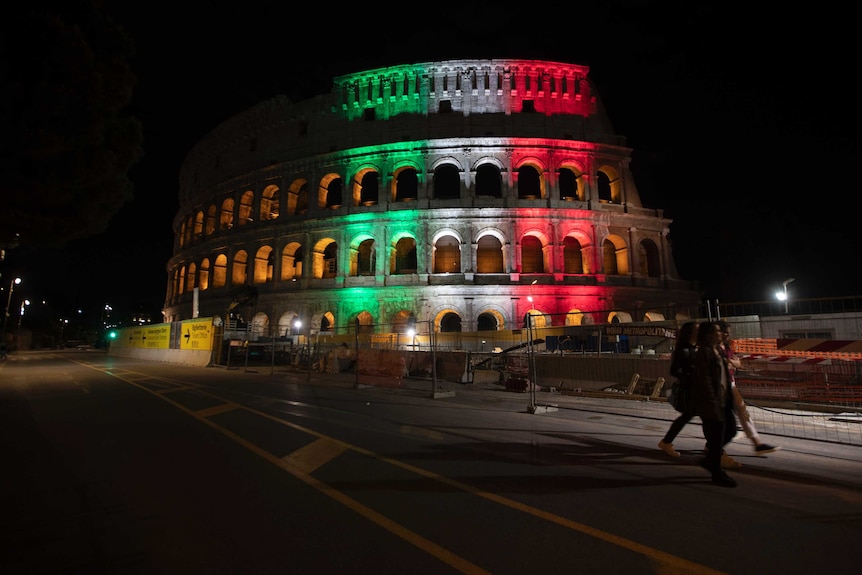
<point x="573" y="258"/>
<point x="220" y="271"/>
<point x="287" y="323"/>
<point x="619" y="317"/>
<point x="330" y="191"/>
<point x="403" y="258"/>
<point x="365" y="320"/>
<point x="259" y="326"/>
<point x="576" y="317"/>
<point x="402" y="321"/>
<point x="405" y="184"/>
<point x="490" y="320"/>
<point x="610" y="185"/>
<point x="210" y="226"/>
<point x="366" y="187"/>
<point x="615" y="255"/>
<point x="246" y="202"/>
<point x="239" y="269"/>
<point x="447" y="255"/>
<point x="653" y="316"/>
<point x="568" y="181"/>
<point x="447" y="182"/>
<point x="450" y="322"/>
<point x="291" y="261"/>
<point x="226" y="216"/>
<point x="204" y="274"/>
<point x="323" y="322"/>
<point x="363" y="256"/>
<point x="263" y="265"/>
<point x="489" y="255"/>
<point x="324" y="262"/>
<point x="269" y="201"/>
<point x="531" y="185"/>
<point x="181" y="277"/>
<point x="199" y="225"/>
<point x="648" y="259"/>
<point x="190" y="281"/>
<point x="538" y="319"/>
<point x="489" y="181"/>
<point x="297" y="197"/>
<point x="532" y="255"/>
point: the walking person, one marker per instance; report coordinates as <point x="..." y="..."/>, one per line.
<point x="760" y="448"/>
<point x="712" y="398"/>
<point x="682" y="368"/>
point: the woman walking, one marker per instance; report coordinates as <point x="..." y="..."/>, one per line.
<point x="682" y="368"/>
<point x="713" y="399"/>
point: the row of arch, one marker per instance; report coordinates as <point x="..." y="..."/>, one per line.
<point x="364" y="190"/>
<point x="403" y="321"/>
<point x="363" y="256"/>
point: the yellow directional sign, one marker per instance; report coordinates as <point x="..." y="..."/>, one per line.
<point x="196" y="334"/>
<point x="156" y="336"/>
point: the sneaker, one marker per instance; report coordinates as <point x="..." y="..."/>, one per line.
<point x="727" y="462"/>
<point x="724" y="480"/>
<point x="668" y="448"/>
<point x="765" y="448"/>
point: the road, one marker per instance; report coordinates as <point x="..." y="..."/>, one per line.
<point x="122" y="466"/>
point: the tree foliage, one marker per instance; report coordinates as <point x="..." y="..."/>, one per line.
<point x="66" y="142"/>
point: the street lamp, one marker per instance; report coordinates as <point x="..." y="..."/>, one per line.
<point x="12" y="285"/>
<point x="530" y="297"/>
<point x="782" y="295"/>
<point x="24" y="303"/>
<point x="63" y="324"/>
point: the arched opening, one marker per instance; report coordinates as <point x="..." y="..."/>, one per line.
<point x="529" y="183"/>
<point x="447" y="183"/>
<point x="489" y="255"/>
<point x="447" y="255"/>
<point x="488" y="181"/>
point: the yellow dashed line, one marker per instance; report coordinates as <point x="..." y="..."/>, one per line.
<point x="309" y="458"/>
<point x="215" y="410"/>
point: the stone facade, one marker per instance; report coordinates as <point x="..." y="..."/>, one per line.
<point x="462" y="195"/>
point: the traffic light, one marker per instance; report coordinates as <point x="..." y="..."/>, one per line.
<point x="112" y="334"/>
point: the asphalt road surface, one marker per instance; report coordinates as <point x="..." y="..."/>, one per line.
<point x="121" y="466"/>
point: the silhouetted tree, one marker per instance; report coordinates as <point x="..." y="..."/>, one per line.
<point x="66" y="145"/>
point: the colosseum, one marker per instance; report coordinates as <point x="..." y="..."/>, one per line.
<point x="463" y="195"/>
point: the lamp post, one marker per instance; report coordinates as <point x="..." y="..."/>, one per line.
<point x="24" y="303"/>
<point x="782" y="295"/>
<point x="63" y="324"/>
<point x="12" y="285"/>
<point x="294" y="335"/>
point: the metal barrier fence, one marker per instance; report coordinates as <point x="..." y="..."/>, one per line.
<point x="793" y="397"/>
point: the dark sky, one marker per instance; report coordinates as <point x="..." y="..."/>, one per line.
<point x="744" y="127"/>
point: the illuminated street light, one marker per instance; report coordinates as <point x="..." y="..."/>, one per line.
<point x="782" y="295"/>
<point x="24" y="303"/>
<point x="12" y="285"/>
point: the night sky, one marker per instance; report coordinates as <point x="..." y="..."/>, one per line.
<point x="744" y="127"/>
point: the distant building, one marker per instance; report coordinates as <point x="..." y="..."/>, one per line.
<point x="463" y="194"/>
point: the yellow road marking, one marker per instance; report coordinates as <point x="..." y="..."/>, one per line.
<point x="326" y="448"/>
<point x="313" y="455"/>
<point x="216" y="410"/>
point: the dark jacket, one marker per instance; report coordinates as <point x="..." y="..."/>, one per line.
<point x="710" y="396"/>
<point x="682" y="363"/>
